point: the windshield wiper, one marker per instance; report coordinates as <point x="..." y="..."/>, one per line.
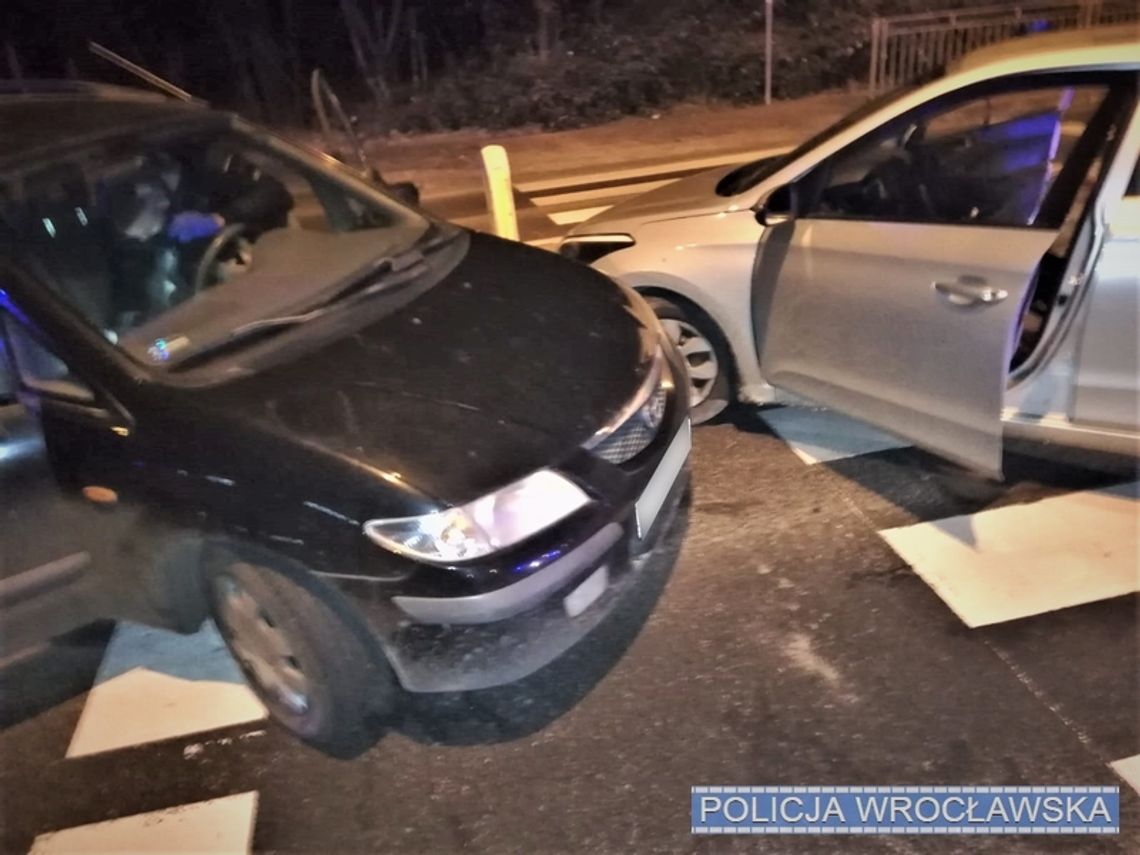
<point x="251" y="330"/>
<point x="267" y="325"/>
<point x="389" y="272"/>
<point x="385" y="274"/>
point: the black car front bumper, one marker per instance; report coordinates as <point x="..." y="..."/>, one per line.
<point x="502" y="629"/>
<point x="464" y="657"/>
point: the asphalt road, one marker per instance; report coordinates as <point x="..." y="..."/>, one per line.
<point x="790" y="645"/>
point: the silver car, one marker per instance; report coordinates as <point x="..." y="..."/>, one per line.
<point x="956" y="261"/>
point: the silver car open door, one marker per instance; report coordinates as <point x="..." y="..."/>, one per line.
<point x="908" y="327"/>
<point x="894" y="277"/>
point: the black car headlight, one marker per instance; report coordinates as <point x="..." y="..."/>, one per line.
<point x="484" y="526"/>
<point x="589" y="248"/>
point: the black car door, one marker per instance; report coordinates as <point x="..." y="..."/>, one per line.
<point x="45" y="535"/>
<point x="65" y="535"/>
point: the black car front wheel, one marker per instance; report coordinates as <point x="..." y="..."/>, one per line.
<point x="705" y="354"/>
<point x="317" y="674"/>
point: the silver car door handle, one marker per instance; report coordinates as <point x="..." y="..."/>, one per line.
<point x="969" y="291"/>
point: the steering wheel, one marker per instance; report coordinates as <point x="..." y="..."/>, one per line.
<point x="895" y="188"/>
<point x="205" y="272"/>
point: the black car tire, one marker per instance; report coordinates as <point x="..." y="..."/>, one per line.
<point x="717" y="391"/>
<point x="351" y="685"/>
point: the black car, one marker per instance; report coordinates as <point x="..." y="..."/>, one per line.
<point x="239" y="381"/>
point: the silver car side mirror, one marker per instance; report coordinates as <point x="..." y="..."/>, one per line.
<point x="779" y="207"/>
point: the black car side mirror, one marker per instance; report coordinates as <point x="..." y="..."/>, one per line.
<point x="780" y="206"/>
<point x="405" y="191"/>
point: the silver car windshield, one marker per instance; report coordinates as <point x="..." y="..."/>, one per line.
<point x="167" y="241"/>
<point x="750" y="174"/>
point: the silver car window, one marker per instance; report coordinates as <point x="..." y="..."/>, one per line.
<point x="990" y="159"/>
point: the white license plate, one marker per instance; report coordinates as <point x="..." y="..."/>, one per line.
<point x="582" y="597"/>
<point x="657" y="490"/>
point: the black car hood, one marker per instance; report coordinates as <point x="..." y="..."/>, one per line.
<point x="506" y="365"/>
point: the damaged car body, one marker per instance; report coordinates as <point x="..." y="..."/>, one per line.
<point x="953" y="262"/>
<point x="239" y="381"/>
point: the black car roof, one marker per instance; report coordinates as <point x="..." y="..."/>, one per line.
<point x="35" y="119"/>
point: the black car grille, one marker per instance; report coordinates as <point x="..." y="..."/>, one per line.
<point x="635" y="433"/>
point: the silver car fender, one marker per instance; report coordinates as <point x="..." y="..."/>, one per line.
<point x="708" y="260"/>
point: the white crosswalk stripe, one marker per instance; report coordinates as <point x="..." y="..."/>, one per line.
<point x="154" y="685"/>
<point x="1129" y="770"/>
<point x="1022" y="560"/>
<point x="578" y="215"/>
<point x="569" y="201"/>
<point x="220" y="827"/>
<point x="1000" y="564"/>
<point x="995" y="565"/>
<point x="820" y="436"/>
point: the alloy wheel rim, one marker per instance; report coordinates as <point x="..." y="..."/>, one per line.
<point x="699" y="355"/>
<point x="262" y="648"/>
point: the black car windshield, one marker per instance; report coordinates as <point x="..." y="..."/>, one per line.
<point x="167" y="241"/>
<point x="750" y="174"/>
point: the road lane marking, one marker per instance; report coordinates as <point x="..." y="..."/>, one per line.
<point x="1024" y="560"/>
<point x="220" y="827"/>
<point x="1129" y="770"/>
<point x="153" y="684"/>
<point x="565" y="218"/>
<point x="565" y="200"/>
<point x="573" y="197"/>
<point x="820" y="436"/>
<point x="634" y="174"/>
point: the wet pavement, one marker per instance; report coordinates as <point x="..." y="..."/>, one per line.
<point x="790" y="645"/>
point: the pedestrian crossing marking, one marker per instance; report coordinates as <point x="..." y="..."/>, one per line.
<point x="219" y="826"/>
<point x="1022" y="560"/>
<point x="820" y="436"/>
<point x="1129" y="770"/>
<point x="154" y="684"/>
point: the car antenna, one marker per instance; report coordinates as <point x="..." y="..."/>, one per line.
<point x="141" y="73"/>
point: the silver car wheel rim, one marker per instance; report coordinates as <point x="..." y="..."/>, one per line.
<point x="699" y="355"/>
<point x="262" y="648"/>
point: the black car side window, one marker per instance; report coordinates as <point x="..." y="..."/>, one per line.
<point x="39" y="369"/>
<point x="136" y="232"/>
<point x="986" y="159"/>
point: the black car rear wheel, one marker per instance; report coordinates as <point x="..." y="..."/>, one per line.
<point x="705" y="354"/>
<point x="317" y="674"/>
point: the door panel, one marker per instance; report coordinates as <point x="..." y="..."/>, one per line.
<point x="849" y="315"/>
<point x="45" y="555"/>
<point x="1107" y="384"/>
<point x="898" y="292"/>
<point x="72" y="549"/>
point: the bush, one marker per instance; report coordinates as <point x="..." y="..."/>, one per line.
<point x="652" y="54"/>
<point x="594" y="79"/>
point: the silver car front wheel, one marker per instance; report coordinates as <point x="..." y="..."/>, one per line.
<point x="699" y="355"/>
<point x="701" y="347"/>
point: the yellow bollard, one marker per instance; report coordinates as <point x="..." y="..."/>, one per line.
<point x="500" y="193"/>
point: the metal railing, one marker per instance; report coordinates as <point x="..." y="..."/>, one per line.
<point x="905" y="46"/>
